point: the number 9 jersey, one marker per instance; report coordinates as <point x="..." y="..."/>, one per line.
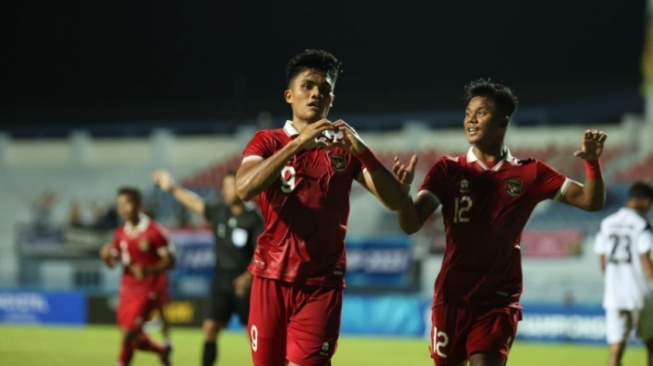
<point x="622" y="238"/>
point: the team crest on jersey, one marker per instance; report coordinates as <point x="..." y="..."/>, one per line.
<point x="338" y="162"/>
<point x="143" y="245"/>
<point x="464" y="186"/>
<point x="325" y="349"/>
<point x="513" y="187"/>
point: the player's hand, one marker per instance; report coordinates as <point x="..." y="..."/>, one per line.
<point x="242" y="284"/>
<point x="351" y="142"/>
<point x="307" y="139"/>
<point x="107" y="255"/>
<point x="591" y="146"/>
<point x="163" y="179"/>
<point x="137" y="270"/>
<point x="404" y="174"/>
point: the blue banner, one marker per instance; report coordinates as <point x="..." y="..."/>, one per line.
<point x="42" y="307"/>
<point x="194" y="252"/>
<point x="383" y="261"/>
<point x="562" y="323"/>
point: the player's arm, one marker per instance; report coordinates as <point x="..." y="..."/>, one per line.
<point x="602" y="262"/>
<point x="109" y="255"/>
<point x="412" y="214"/>
<point x="255" y="176"/>
<point x="590" y="195"/>
<point x="186" y="197"/>
<point x="376" y="178"/>
<point x="647" y="264"/>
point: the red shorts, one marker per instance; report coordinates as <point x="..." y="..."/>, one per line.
<point x="459" y="332"/>
<point x="135" y="309"/>
<point x="298" y="323"/>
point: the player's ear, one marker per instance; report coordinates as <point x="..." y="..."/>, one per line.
<point x="505" y="121"/>
<point x="333" y="97"/>
<point x="287" y="95"/>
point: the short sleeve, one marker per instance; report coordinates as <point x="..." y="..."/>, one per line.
<point x="601" y="243"/>
<point x="261" y="146"/>
<point x="432" y="186"/>
<point x="162" y="244"/>
<point x="115" y="243"/>
<point x="644" y="240"/>
<point x="551" y="183"/>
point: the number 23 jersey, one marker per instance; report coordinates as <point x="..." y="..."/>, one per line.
<point x="484" y="212"/>
<point x="623" y="236"/>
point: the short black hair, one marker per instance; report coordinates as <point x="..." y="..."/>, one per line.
<point x="503" y="96"/>
<point x="640" y="190"/>
<point x="313" y="59"/>
<point x="134" y="194"/>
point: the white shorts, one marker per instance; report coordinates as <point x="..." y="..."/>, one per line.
<point x="621" y="323"/>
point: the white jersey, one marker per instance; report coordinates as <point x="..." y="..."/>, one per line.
<point x="623" y="236"/>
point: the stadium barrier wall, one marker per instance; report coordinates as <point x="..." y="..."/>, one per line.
<point x="40" y="307"/>
<point x="396" y="316"/>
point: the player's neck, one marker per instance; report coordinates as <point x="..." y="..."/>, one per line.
<point x="237" y="208"/>
<point x="300" y="124"/>
<point x="489" y="155"/>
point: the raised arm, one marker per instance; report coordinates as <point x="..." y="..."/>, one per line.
<point x="590" y="195"/>
<point x="256" y="175"/>
<point x="186" y="197"/>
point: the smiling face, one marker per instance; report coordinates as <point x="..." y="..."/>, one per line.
<point x="310" y="95"/>
<point x="485" y="124"/>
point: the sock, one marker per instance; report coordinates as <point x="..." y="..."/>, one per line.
<point x="126" y="354"/>
<point x="146" y="344"/>
<point x="210" y="353"/>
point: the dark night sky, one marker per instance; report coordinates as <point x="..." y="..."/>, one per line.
<point x="105" y="60"/>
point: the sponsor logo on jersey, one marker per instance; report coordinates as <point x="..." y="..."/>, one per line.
<point x="513" y="187"/>
<point x="338" y="162"/>
<point x="143" y="245"/>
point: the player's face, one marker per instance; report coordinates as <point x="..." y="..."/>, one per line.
<point x="126" y="208"/>
<point x="310" y="95"/>
<point x="484" y="125"/>
<point x="229" y="190"/>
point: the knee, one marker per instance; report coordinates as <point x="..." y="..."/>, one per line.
<point x="211" y="329"/>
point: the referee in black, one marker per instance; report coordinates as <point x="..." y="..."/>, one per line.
<point x="235" y="229"/>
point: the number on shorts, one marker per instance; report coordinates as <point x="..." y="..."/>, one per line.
<point x="253" y="334"/>
<point x="439" y="344"/>
<point x="288" y="179"/>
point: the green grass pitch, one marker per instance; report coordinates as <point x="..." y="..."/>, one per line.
<point x="98" y="345"/>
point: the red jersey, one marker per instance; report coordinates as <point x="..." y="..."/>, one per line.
<point x="143" y="244"/>
<point x="305" y="212"/>
<point x="484" y="212"/>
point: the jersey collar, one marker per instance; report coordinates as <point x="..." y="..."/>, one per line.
<point x="289" y="129"/>
<point x="507" y="157"/>
<point x="143" y="222"/>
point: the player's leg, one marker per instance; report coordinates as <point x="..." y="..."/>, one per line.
<point x="220" y="308"/>
<point x="449" y="329"/>
<point x="619" y="324"/>
<point x="491" y="335"/>
<point x="128" y="320"/>
<point x="314" y="325"/>
<point x="267" y="321"/>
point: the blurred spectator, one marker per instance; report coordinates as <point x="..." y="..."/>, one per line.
<point x="75" y="215"/>
<point x="105" y="217"/>
<point x="42" y="210"/>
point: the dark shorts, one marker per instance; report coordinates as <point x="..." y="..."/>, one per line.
<point x="298" y="323"/>
<point x="223" y="301"/>
<point x="458" y="332"/>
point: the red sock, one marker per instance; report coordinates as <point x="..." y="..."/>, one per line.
<point x="146" y="344"/>
<point x="126" y="353"/>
